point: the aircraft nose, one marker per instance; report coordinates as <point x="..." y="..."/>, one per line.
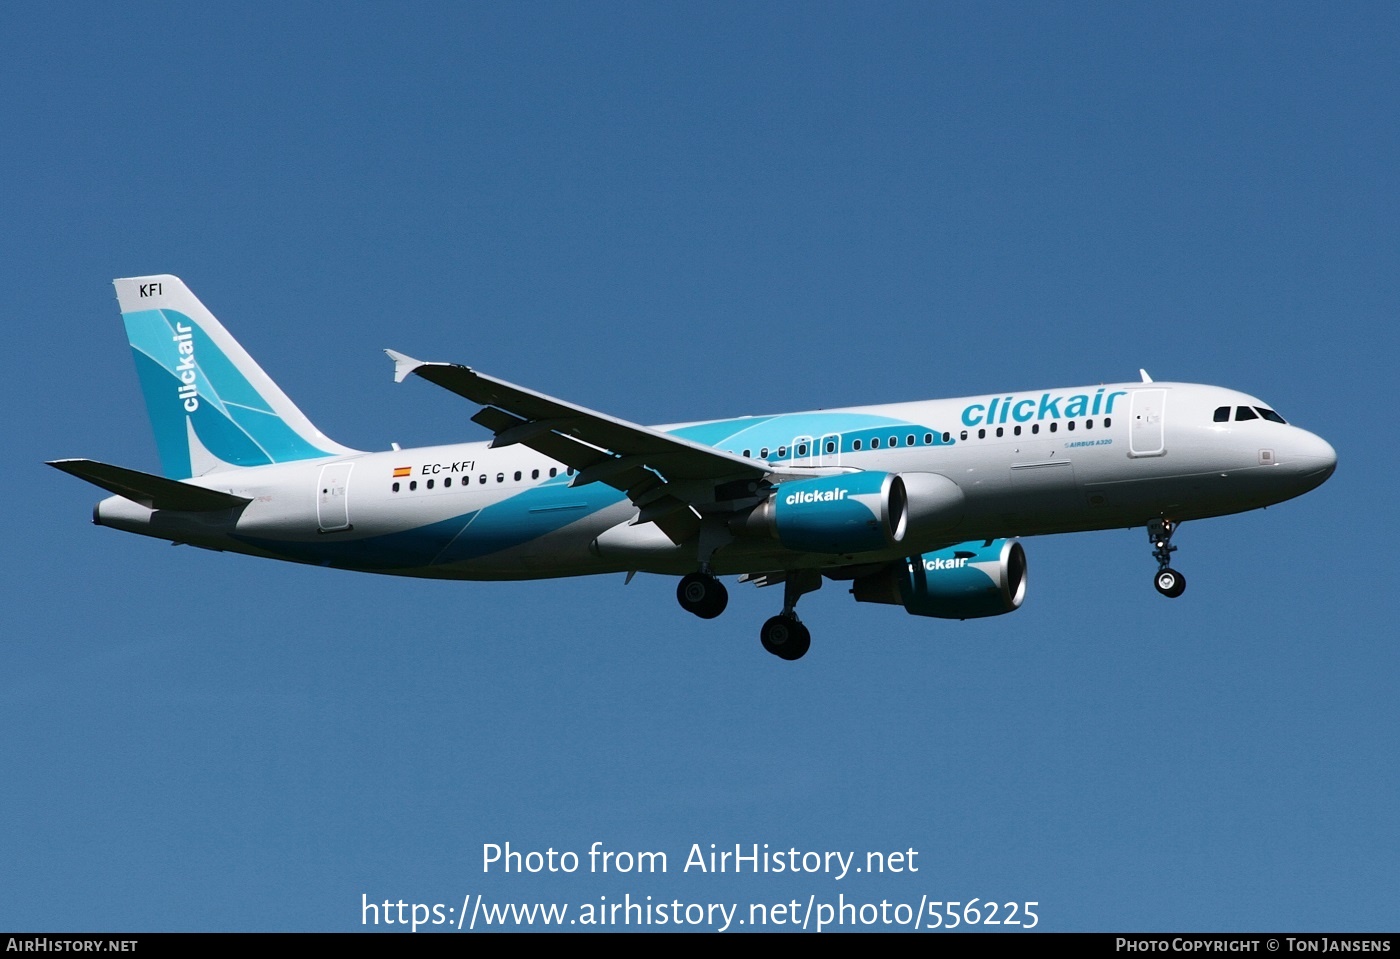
<point x="1311" y="457"/>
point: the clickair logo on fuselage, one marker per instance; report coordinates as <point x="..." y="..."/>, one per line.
<point x="188" y="390"/>
<point x="1046" y="406"/>
<point x="936" y="564"/>
<point x="815" y="496"/>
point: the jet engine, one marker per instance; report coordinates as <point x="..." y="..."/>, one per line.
<point x="980" y="578"/>
<point x="858" y="512"/>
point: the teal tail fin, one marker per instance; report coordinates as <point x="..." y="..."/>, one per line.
<point x="213" y="408"/>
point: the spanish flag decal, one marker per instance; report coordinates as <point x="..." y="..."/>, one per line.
<point x="402" y="471"/>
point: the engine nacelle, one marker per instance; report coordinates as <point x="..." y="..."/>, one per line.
<point x="980" y="578"/>
<point x="858" y="512"/>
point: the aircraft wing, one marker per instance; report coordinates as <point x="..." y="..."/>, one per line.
<point x="662" y="474"/>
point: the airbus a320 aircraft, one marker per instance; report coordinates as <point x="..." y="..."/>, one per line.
<point x="912" y="504"/>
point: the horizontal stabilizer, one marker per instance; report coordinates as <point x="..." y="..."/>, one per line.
<point x="152" y="492"/>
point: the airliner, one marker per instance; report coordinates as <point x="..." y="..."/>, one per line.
<point x="919" y="504"/>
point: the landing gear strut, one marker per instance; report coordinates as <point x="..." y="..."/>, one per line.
<point x="702" y="594"/>
<point x="1168" y="581"/>
<point x="784" y="635"/>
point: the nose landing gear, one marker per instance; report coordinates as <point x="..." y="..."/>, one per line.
<point x="1168" y="581"/>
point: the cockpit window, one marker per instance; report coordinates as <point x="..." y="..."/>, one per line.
<point x="1270" y="415"/>
<point x="1245" y="413"/>
<point x="1222" y="414"/>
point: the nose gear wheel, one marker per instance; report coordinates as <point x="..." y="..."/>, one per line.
<point x="1168" y="581"/>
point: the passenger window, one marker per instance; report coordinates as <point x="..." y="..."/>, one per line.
<point x="430" y="484"/>
<point x="413" y="485"/>
<point x="517" y="476"/>
<point x="1088" y="424"/>
<point x="746" y="454"/>
<point x="1245" y="413"/>
<point x="981" y="434"/>
<point x="875" y="442"/>
<point x="553" y="472"/>
<point x="1035" y="428"/>
<point x="1017" y="431"/>
<point x="928" y="439"/>
<point x="1222" y="414"/>
<point x="894" y="441"/>
<point x="483" y="478"/>
<point x="782" y="451"/>
<point x="909" y="440"/>
<point x="1001" y="431"/>
<point x="1107" y="422"/>
<point x="396" y="487"/>
<point x="447" y="482"/>
<point x="947" y="437"/>
<point x="763" y="453"/>
<point x="1070" y="426"/>
<point x="802" y="450"/>
<point x="534" y="474"/>
<point x="856" y="445"/>
<point x="1054" y="426"/>
<point x="500" y="477"/>
<point x="830" y="446"/>
<point x="962" y="435"/>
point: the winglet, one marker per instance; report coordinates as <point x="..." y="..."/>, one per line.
<point x="1145" y="377"/>
<point x="403" y="365"/>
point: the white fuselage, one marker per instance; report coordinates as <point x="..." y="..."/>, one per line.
<point x="1029" y="463"/>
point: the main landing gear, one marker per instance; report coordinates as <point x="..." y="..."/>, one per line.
<point x="1168" y="581"/>
<point x="702" y="594"/>
<point x="784" y="635"/>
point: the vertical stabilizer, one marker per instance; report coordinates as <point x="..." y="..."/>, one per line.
<point x="212" y="406"/>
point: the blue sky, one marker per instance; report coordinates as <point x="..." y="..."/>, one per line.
<point x="672" y="212"/>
